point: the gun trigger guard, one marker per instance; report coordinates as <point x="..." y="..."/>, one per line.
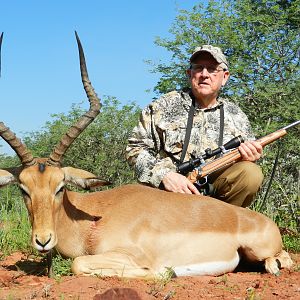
<point x="202" y="181"/>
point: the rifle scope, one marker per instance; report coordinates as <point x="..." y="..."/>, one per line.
<point x="190" y="165"/>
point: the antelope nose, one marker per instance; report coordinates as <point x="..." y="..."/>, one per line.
<point x="43" y="242"/>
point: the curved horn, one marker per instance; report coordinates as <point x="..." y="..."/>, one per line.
<point x="85" y="120"/>
<point x="1" y="39"/>
<point x="25" y="156"/>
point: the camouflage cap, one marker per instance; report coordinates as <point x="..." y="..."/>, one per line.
<point x="215" y="52"/>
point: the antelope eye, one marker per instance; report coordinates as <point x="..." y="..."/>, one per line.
<point x="24" y="193"/>
<point x="60" y="190"/>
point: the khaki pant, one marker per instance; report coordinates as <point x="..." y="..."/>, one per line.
<point x="238" y="184"/>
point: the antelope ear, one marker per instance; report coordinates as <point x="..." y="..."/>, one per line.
<point x="6" y="178"/>
<point x="82" y="178"/>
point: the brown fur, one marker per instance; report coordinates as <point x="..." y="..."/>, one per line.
<point x="137" y="231"/>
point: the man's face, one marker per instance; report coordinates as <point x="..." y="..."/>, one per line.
<point x="206" y="77"/>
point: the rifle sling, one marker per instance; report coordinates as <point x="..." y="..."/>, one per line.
<point x="221" y="125"/>
<point x="190" y="125"/>
<point x="279" y="144"/>
<point x="188" y="128"/>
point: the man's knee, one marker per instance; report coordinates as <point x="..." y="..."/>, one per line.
<point x="239" y="183"/>
<point x="251" y="175"/>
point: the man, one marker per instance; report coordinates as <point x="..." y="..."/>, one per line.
<point x="157" y="143"/>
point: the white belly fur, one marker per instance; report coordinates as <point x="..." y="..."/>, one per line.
<point x="208" y="268"/>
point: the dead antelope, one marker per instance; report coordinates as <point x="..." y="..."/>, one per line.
<point x="134" y="230"/>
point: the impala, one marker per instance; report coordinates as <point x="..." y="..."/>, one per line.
<point x="134" y="230"/>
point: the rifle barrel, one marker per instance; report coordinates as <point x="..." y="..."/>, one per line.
<point x="228" y="158"/>
<point x="291" y="125"/>
<point x="276" y="135"/>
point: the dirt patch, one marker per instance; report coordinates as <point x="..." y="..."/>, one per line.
<point x="17" y="283"/>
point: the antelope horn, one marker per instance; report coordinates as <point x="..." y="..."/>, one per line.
<point x="76" y="129"/>
<point x="25" y="156"/>
<point x="1" y="39"/>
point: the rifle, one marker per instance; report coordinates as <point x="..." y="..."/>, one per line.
<point x="229" y="154"/>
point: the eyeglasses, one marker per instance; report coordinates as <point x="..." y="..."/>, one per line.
<point x="210" y="69"/>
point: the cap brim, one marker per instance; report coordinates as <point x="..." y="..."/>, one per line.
<point x="201" y="51"/>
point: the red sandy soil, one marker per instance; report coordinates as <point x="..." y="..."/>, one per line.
<point x="17" y="282"/>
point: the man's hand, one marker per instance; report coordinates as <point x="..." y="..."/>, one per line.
<point x="251" y="151"/>
<point x="174" y="182"/>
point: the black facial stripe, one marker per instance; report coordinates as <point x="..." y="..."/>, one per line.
<point x="42" y="167"/>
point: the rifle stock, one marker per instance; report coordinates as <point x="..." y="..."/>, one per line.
<point x="234" y="156"/>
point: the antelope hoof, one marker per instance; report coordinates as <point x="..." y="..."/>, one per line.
<point x="271" y="266"/>
<point x="274" y="264"/>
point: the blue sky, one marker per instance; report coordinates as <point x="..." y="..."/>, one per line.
<point x="40" y="69"/>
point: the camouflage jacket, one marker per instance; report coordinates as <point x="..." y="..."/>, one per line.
<point x="156" y="142"/>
